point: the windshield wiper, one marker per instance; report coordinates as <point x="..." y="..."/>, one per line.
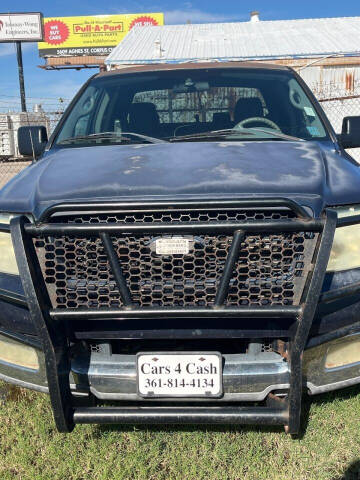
<point x="276" y="133"/>
<point x="119" y="136"/>
<point x="234" y="131"/>
<point x="210" y="134"/>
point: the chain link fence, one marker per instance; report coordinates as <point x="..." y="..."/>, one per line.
<point x="49" y="110"/>
<point x="9" y="169"/>
<point x="338" y="102"/>
<point x="40" y="111"/>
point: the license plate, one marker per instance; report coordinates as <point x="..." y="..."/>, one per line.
<point x="179" y="374"/>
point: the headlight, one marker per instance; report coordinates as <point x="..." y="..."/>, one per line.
<point x="7" y="255"/>
<point x="18" y="354"/>
<point x="345" y="252"/>
<point x="345" y="352"/>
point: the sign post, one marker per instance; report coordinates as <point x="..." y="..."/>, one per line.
<point x="17" y="28"/>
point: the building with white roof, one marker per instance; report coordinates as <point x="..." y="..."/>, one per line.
<point x="253" y="40"/>
<point x="326" y="51"/>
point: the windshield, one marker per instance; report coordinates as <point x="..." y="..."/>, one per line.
<point x="187" y="105"/>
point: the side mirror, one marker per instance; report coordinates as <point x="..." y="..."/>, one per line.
<point x="32" y="140"/>
<point x="350" y="132"/>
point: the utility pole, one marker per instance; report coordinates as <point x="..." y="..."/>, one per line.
<point x="21" y="76"/>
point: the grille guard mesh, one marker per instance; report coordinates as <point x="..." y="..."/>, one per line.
<point x="271" y="269"/>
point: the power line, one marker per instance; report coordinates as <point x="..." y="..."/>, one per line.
<point x="62" y="99"/>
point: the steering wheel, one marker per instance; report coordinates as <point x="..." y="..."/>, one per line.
<point x="266" y="121"/>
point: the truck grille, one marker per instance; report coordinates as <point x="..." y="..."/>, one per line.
<point x="176" y="216"/>
<point x="271" y="268"/>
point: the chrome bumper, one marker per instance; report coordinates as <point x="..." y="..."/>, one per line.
<point x="247" y="377"/>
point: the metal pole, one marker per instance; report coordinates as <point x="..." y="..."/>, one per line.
<point x="21" y="76"/>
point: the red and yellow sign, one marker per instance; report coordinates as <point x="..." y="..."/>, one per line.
<point x="96" y="35"/>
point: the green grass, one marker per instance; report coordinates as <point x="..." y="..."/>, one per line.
<point x="31" y="448"/>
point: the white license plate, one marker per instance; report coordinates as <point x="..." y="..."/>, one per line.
<point x="179" y="374"/>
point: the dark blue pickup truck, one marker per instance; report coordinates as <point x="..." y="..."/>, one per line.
<point x="185" y="249"/>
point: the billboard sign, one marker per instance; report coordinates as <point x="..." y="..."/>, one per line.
<point x="90" y="35"/>
<point x="21" y="27"/>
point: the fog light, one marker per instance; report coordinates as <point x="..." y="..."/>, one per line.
<point x="343" y="354"/>
<point x="7" y="255"/>
<point x="17" y="354"/>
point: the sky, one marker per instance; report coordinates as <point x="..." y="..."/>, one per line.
<point x="40" y="83"/>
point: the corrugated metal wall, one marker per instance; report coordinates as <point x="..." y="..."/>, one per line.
<point x="332" y="80"/>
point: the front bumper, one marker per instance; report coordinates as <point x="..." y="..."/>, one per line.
<point x="247" y="378"/>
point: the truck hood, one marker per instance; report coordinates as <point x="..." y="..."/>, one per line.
<point x="306" y="172"/>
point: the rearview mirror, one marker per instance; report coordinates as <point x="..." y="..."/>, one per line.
<point x="32" y="140"/>
<point x="350" y="133"/>
<point x="190" y="86"/>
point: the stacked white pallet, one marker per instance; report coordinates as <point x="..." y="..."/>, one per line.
<point x="7" y="148"/>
